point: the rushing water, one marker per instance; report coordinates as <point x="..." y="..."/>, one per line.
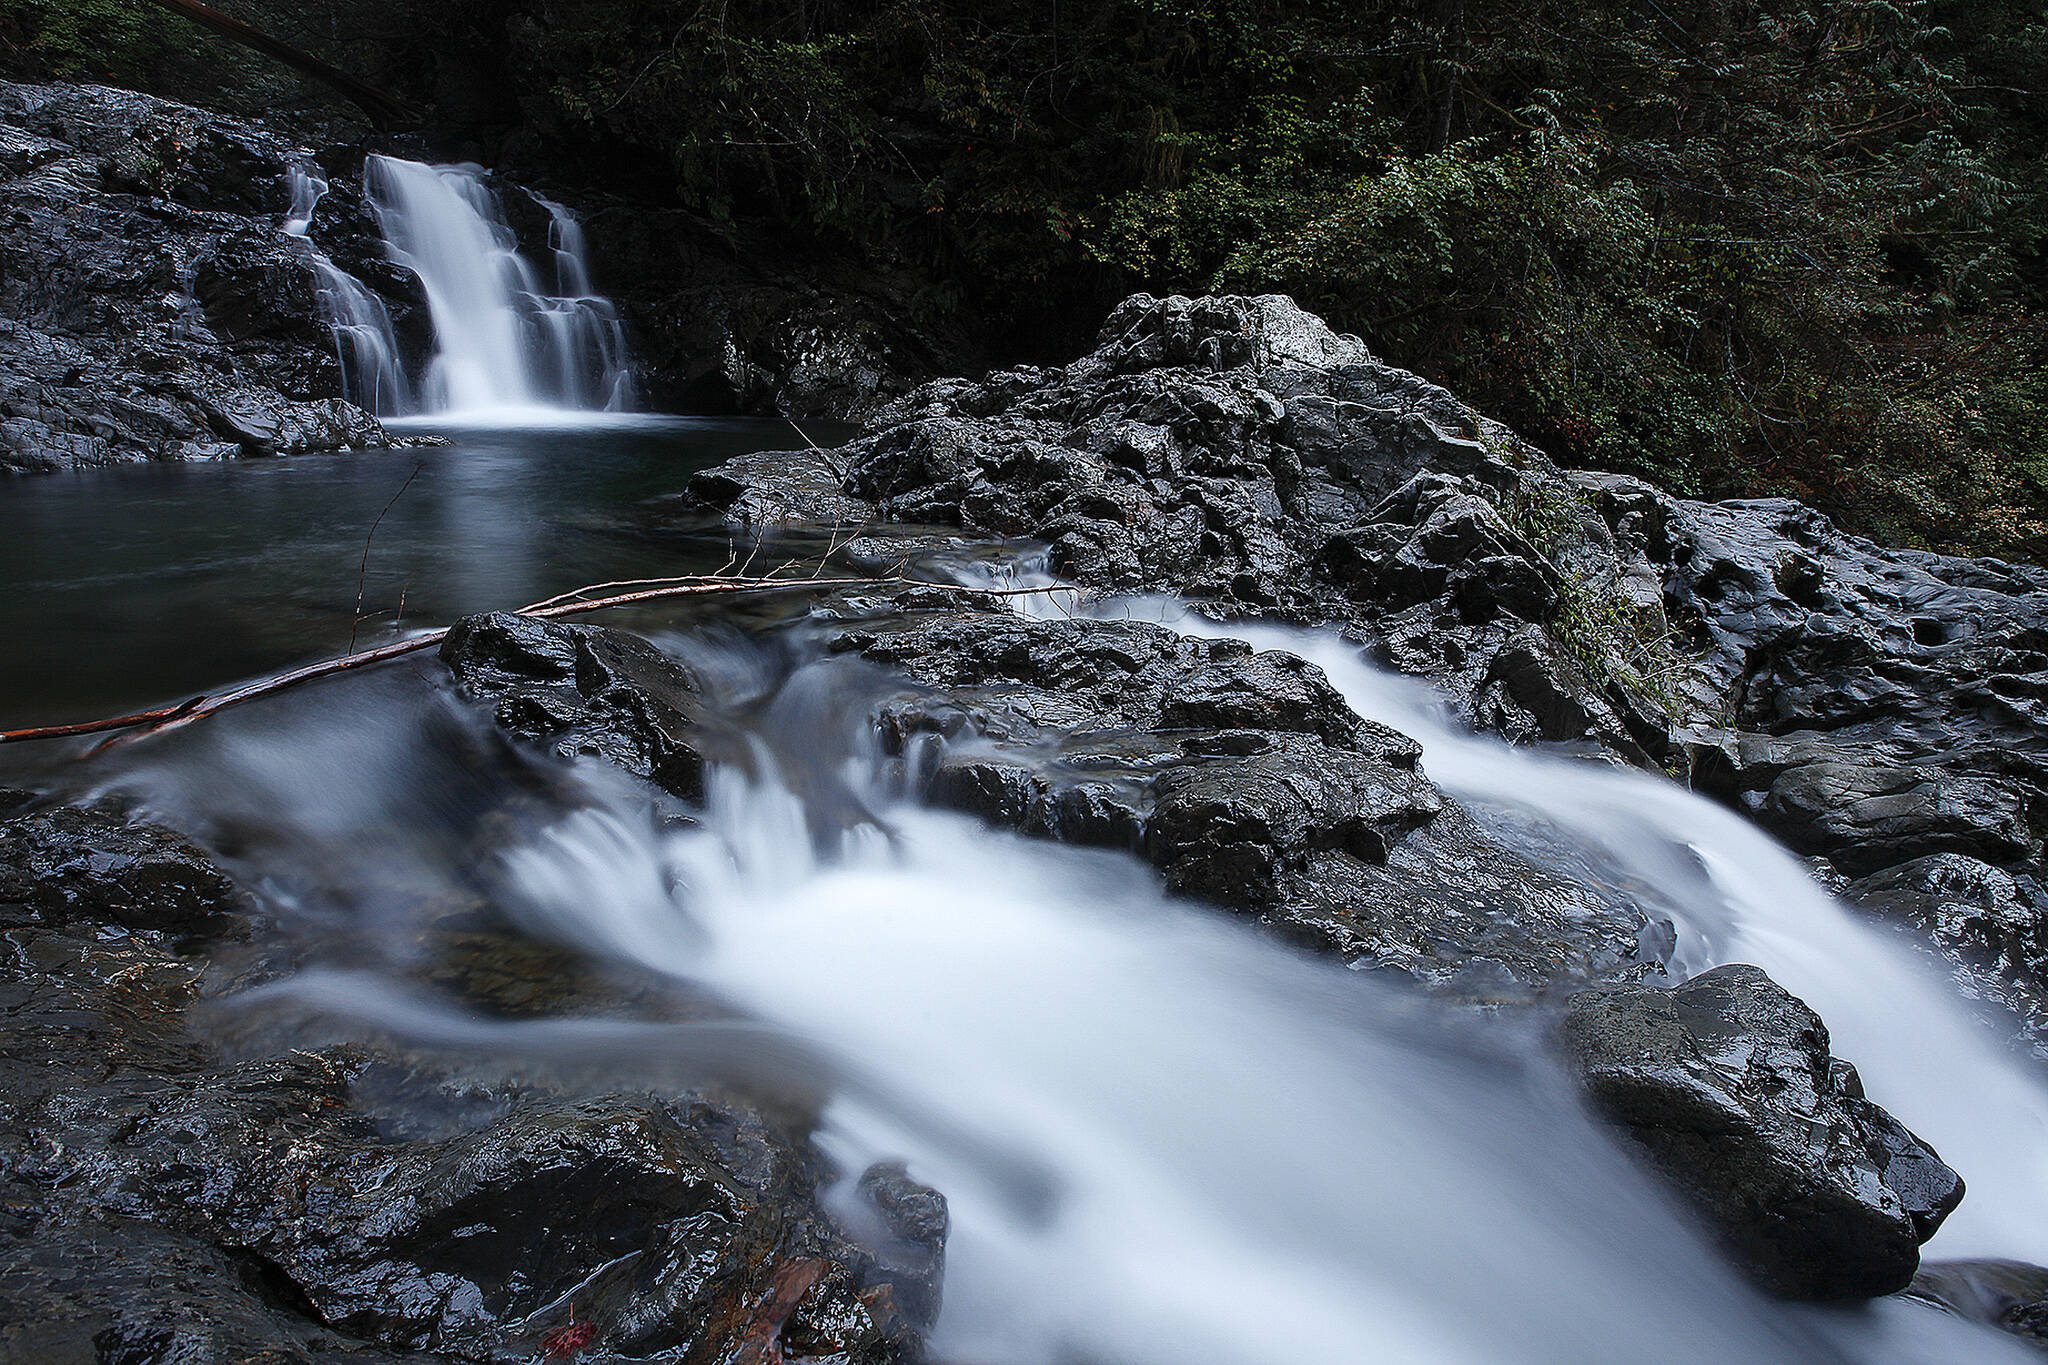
<point x="1164" y="1137"/>
<point x="506" y="340"/>
<point x="1736" y="896"/>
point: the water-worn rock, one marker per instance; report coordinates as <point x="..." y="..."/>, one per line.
<point x="151" y="304"/>
<point x="166" y="1196"/>
<point x="1728" y="1085"/>
<point x="1243" y="777"/>
<point x="584" y="690"/>
<point x="1870" y="705"/>
<point x="70" y="863"/>
<point x="2010" y="1295"/>
<point x="1879" y="707"/>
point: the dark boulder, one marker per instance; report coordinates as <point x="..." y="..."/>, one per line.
<point x="1237" y="451"/>
<point x="1243" y="777"/>
<point x="87" y="866"/>
<point x="583" y="690"/>
<point x="1727" y="1085"/>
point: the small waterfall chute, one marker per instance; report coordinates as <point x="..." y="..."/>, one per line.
<point x="365" y="344"/>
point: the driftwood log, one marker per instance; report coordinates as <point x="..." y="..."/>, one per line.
<point x="575" y="602"/>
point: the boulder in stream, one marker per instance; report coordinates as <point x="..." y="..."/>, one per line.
<point x="1727" y="1085"/>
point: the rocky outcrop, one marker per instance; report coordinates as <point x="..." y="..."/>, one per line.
<point x="1243" y="777"/>
<point x="166" y="1193"/>
<point x="1874" y="707"/>
<point x="1726" y="1083"/>
<point x="1236" y="451"/>
<point x="584" y="690"/>
<point x="151" y="304"/>
<point x="1886" y="710"/>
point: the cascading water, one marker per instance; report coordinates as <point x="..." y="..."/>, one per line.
<point x="365" y="346"/>
<point x="1164" y="1138"/>
<point x="1735" y="896"/>
<point x="502" y="341"/>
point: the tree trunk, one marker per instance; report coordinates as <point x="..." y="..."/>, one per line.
<point x="383" y="111"/>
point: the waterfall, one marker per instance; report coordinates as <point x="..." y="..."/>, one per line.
<point x="1163" y="1137"/>
<point x="503" y="339"/>
<point x="1733" y="895"/>
<point x="365" y="346"/>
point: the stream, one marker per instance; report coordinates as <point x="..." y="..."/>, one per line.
<point x="1164" y="1136"/>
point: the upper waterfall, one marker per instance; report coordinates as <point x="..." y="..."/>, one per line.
<point x="505" y="336"/>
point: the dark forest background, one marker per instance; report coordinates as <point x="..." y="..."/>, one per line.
<point x="1788" y="246"/>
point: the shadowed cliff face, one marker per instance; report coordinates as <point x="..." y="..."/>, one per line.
<point x="154" y="305"/>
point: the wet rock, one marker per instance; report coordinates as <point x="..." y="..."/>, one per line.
<point x="2010" y="1295"/>
<point x="1877" y="706"/>
<point x="1989" y="926"/>
<point x="169" y="1190"/>
<point x="151" y="304"/>
<point x="1727" y="1085"/>
<point x="1243" y="777"/>
<point x="583" y="690"/>
<point x="92" y="868"/>
<point x="1237" y="451"/>
<point x="1866" y="816"/>
<point x="910" y="1248"/>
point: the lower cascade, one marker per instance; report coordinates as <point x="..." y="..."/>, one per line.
<point x="1215" y="853"/>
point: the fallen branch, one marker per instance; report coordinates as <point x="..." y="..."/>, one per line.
<point x="163" y="718"/>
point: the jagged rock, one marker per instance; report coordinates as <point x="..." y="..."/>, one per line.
<point x="1988" y="925"/>
<point x="1877" y="706"/>
<point x="166" y="1196"/>
<point x="1243" y="777"/>
<point x="1727" y="1085"/>
<point x="583" y="690"/>
<point x="1236" y="451"/>
<point x="151" y="304"/>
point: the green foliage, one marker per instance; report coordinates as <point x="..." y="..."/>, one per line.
<point x="84" y="40"/>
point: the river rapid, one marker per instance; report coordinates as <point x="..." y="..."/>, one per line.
<point x="1164" y="1137"/>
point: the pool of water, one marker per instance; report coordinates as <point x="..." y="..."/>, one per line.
<point x="140" y="584"/>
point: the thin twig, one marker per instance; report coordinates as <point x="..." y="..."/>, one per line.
<point x="363" y="569"/>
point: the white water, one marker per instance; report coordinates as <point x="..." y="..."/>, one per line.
<point x="365" y="346"/>
<point x="504" y="341"/>
<point x="1165" y="1139"/>
<point x="1737" y="896"/>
